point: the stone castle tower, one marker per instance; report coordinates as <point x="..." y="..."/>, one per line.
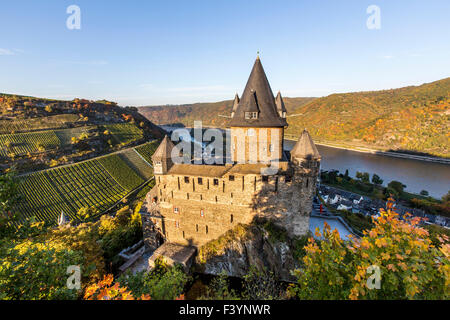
<point x="198" y="203"/>
<point x="257" y="118"/>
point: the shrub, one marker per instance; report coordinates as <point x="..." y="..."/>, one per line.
<point x="411" y="266"/>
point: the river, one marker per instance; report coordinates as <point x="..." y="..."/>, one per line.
<point x="417" y="175"/>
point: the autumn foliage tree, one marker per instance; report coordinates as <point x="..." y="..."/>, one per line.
<point x="410" y="266"/>
<point x="106" y="290"/>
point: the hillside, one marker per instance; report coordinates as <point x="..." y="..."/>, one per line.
<point x="98" y="183"/>
<point x="39" y="133"/>
<point x="411" y="119"/>
<point x="414" y="118"/>
<point x="211" y="114"/>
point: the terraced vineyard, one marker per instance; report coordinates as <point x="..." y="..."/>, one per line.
<point x="124" y="133"/>
<point x="31" y="142"/>
<point x="138" y="163"/>
<point x="50" y="122"/>
<point x="99" y="183"/>
<point x="123" y="174"/>
<point x="65" y="135"/>
<point x="146" y="150"/>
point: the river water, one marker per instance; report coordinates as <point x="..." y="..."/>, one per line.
<point x="417" y="175"/>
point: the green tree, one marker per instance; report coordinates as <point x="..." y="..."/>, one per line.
<point x="397" y="186"/>
<point x="376" y="179"/>
<point x="163" y="282"/>
<point x="33" y="270"/>
<point x="9" y="196"/>
<point x="424" y="193"/>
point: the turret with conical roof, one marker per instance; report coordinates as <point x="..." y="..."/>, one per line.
<point x="305" y="148"/>
<point x="256" y="125"/>
<point x="235" y="105"/>
<point x="257" y="97"/>
<point x="280" y="106"/>
<point x="162" y="158"/>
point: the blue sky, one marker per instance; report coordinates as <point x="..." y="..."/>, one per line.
<point x="170" y="52"/>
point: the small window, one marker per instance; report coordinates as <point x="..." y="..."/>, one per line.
<point x="200" y="181"/>
<point x="254" y="115"/>
<point x="206" y="229"/>
<point x="248" y="115"/>
<point x="216" y="182"/>
<point x="196" y="227"/>
<point x="231" y="218"/>
<point x="202" y="213"/>
<point x="284" y="114"/>
<point x="265" y="178"/>
<point x="176" y="210"/>
<point x="184" y="235"/>
<point x="186" y="179"/>
<point x="231" y="178"/>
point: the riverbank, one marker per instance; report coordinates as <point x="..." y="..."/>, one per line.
<point x="380" y="152"/>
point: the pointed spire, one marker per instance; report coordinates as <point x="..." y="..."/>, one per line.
<point x="164" y="150"/>
<point x="235" y="105"/>
<point x="62" y="220"/>
<point x="305" y="148"/>
<point x="280" y="106"/>
<point x="258" y="96"/>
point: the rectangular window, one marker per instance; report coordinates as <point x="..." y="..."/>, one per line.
<point x="206" y="229"/>
<point x="176" y="210"/>
<point x="196" y="227"/>
<point x="184" y="235"/>
<point x="231" y="218"/>
<point x="202" y="213"/>
<point x="216" y="182"/>
<point x="248" y="115"/>
<point x="186" y="179"/>
<point x="231" y="178"/>
<point x="200" y="181"/>
<point x="254" y="115"/>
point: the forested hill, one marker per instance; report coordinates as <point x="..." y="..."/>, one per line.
<point x="410" y="119"/>
<point x="414" y="118"/>
<point x="211" y="114"/>
<point x="39" y="133"/>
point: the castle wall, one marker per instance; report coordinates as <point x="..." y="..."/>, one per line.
<point x="196" y="209"/>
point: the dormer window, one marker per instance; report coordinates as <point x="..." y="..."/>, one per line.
<point x="248" y="115"/>
<point x="254" y="115"/>
<point x="284" y="115"/>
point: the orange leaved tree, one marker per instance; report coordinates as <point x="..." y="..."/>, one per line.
<point x="106" y="290"/>
<point x="394" y="260"/>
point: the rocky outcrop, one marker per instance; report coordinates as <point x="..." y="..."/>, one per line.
<point x="262" y="245"/>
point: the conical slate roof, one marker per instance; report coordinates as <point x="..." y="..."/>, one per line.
<point x="280" y="103"/>
<point x="164" y="150"/>
<point x="257" y="97"/>
<point x="305" y="147"/>
<point x="235" y="104"/>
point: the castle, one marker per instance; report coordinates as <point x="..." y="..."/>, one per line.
<point x="197" y="203"/>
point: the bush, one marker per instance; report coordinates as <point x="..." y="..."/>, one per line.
<point x="411" y="267"/>
<point x="161" y="283"/>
